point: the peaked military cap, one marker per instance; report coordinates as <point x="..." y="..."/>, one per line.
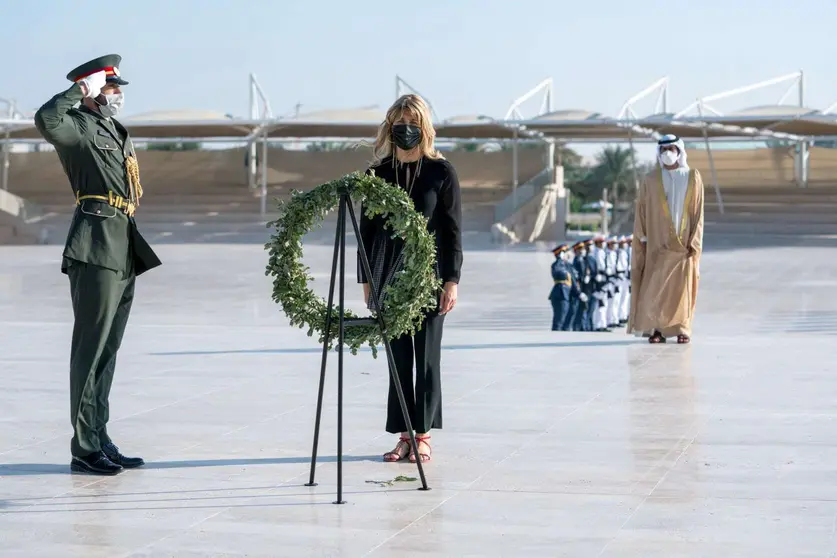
<point x="579" y="245"/>
<point x="108" y="63"/>
<point x="560" y="248"/>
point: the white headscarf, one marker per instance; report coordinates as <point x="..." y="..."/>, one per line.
<point x="675" y="182"/>
<point x="671" y="139"/>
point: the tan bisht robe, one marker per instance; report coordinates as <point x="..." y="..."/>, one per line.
<point x="664" y="278"/>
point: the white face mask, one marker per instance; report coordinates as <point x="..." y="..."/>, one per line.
<point x="113" y="104"/>
<point x="668" y="157"/>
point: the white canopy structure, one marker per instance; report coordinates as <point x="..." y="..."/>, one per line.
<point x="699" y="120"/>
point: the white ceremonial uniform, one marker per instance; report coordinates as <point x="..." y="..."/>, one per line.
<point x="622" y="266"/>
<point x="612" y="302"/>
<point x="600" y="315"/>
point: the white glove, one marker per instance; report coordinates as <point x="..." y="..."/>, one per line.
<point x="583" y="297"/>
<point x="93" y="83"/>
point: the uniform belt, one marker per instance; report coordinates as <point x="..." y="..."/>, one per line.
<point x="125" y="206"/>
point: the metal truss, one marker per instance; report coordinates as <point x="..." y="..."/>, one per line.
<point x="706" y="113"/>
<point x="259" y="103"/>
<point x="660" y="87"/>
<point x="797" y="80"/>
<point x="545" y="88"/>
<point x="830" y="109"/>
<point x="259" y="110"/>
<point x="12" y="114"/>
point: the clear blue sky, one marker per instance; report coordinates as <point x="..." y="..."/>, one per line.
<point x="467" y="56"/>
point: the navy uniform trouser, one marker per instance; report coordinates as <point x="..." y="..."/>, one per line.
<point x="592" y="306"/>
<point x="560" y="309"/>
<point x="580" y="318"/>
<point x="570" y="321"/>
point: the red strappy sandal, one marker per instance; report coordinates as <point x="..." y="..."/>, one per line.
<point x="425" y="457"/>
<point x="399" y="452"/>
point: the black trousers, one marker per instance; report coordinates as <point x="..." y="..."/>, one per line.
<point x="424" y="399"/>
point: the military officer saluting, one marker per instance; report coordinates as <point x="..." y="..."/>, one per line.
<point x="104" y="251"/>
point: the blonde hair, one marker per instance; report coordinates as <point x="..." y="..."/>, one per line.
<point x="420" y="111"/>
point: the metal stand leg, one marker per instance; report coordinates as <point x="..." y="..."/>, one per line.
<point x="339" y="259"/>
<point x="340" y="232"/>
<point x="390" y="359"/>
<point x="340" y="336"/>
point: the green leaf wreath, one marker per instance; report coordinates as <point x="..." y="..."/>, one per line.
<point x="413" y="291"/>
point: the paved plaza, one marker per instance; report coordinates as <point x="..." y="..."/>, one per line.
<point x="555" y="444"/>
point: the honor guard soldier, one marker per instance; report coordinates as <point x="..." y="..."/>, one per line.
<point x="614" y="282"/>
<point x="559" y="296"/>
<point x="623" y="268"/>
<point x="590" y="286"/>
<point x="104" y="251"/>
<point x="601" y="290"/>
<point x="578" y="296"/>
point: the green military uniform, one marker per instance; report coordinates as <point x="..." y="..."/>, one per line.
<point x="104" y="251"/>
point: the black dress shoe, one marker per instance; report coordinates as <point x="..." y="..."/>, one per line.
<point x="94" y="464"/>
<point x="127" y="462"/>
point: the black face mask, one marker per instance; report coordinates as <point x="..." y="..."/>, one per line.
<point x="406" y="136"/>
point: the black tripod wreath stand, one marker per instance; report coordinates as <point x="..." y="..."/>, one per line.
<point x="345" y="206"/>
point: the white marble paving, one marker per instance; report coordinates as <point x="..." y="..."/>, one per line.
<point x="555" y="444"/>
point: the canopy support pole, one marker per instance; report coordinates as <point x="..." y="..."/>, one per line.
<point x="633" y="166"/>
<point x="6" y="149"/>
<point x="264" y="176"/>
<point x="711" y="162"/>
<point x="514" y="171"/>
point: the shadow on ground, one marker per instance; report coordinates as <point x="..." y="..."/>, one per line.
<point x="27" y="469"/>
<point x="464" y="347"/>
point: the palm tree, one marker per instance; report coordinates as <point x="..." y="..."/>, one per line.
<point x="614" y="170"/>
<point x="574" y="168"/>
<point x="320" y="146"/>
<point x="468" y="146"/>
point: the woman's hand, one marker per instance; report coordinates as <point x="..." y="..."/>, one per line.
<point x="449" y="294"/>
